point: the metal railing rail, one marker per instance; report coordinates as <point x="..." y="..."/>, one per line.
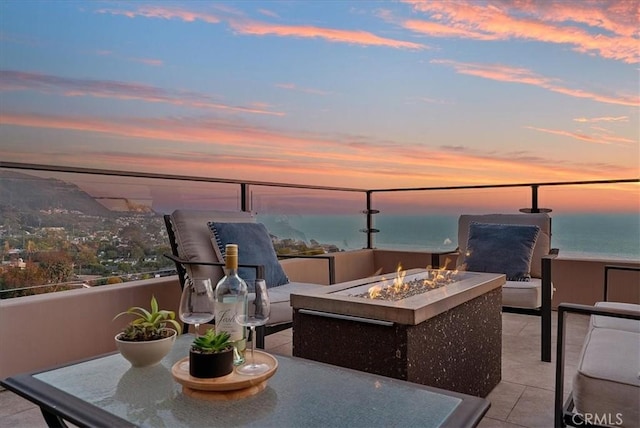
<point x="534" y="194"/>
<point x="133" y="174"/>
<point x="245" y="198"/>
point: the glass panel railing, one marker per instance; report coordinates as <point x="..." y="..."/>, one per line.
<point x="598" y="221"/>
<point x="329" y="220"/>
<point x="62" y="231"/>
<point x="427" y="220"/>
<point x="66" y="228"/>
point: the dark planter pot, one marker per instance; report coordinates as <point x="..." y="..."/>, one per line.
<point x="210" y="365"/>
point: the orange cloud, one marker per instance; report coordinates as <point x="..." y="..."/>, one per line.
<point x="256" y="28"/>
<point x="148" y="61"/>
<point x="602" y="119"/>
<point x="600" y="139"/>
<point x="17" y="80"/>
<point x="294" y="87"/>
<point x="435" y="29"/>
<point x="505" y="73"/>
<point x="612" y="26"/>
<point x="362" y="38"/>
<point x="228" y="147"/>
<point x="163" y="13"/>
<point x="268" y="13"/>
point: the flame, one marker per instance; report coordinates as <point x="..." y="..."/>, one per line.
<point x="398" y="282"/>
<point x="375" y="291"/>
<point x="399" y="289"/>
<point x="436" y="277"/>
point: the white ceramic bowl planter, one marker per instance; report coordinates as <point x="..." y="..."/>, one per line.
<point x="147" y="353"/>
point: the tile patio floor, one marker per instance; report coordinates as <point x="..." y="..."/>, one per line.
<point x="524" y="398"/>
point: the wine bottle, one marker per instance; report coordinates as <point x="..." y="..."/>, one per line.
<point x="230" y="301"/>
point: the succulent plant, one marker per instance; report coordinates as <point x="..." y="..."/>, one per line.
<point x="149" y="325"/>
<point x="211" y="342"/>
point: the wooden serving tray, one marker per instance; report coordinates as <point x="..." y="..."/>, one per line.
<point x="229" y="387"/>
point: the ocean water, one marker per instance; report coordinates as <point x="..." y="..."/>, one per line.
<point x="615" y="236"/>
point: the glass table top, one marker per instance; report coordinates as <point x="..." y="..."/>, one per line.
<point x="301" y="393"/>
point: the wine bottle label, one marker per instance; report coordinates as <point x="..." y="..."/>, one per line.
<point x="226" y="319"/>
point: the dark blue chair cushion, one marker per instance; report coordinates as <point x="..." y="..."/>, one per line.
<point x="501" y="248"/>
<point x="254" y="248"/>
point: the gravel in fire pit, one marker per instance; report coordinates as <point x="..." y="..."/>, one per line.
<point x="400" y="290"/>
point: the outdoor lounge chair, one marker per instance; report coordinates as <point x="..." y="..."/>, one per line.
<point x="195" y="256"/>
<point x="606" y="387"/>
<point x="524" y="295"/>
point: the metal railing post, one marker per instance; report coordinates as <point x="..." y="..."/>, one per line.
<point x="534" y="199"/>
<point x="370" y="230"/>
<point x="245" y="197"/>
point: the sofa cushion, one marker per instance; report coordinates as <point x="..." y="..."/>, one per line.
<point x="543" y="243"/>
<point x="501" y="248"/>
<point x="522" y="294"/>
<point x="194" y="239"/>
<point x="254" y="247"/>
<point x="607" y="379"/>
<point x="280" y="298"/>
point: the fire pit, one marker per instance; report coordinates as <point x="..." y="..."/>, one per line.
<point x="402" y="287"/>
<point x="437" y="328"/>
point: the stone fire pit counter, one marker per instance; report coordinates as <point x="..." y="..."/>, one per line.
<point x="449" y="337"/>
<point x="340" y="298"/>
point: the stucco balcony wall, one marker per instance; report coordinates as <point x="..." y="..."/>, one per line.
<point x="38" y="332"/>
<point x="582" y="281"/>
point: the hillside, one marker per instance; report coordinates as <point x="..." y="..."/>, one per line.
<point x="28" y="195"/>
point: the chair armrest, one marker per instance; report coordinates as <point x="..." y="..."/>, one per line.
<point x="563" y="309"/>
<point x="444" y="253"/>
<point x="330" y="260"/>
<point x="259" y="268"/>
<point x="597" y="310"/>
<point x="435" y="257"/>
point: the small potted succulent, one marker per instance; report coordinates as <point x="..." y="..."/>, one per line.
<point x="211" y="355"/>
<point x="147" y="338"/>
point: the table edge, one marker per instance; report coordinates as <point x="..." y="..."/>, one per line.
<point x="52" y="400"/>
<point x="57" y="402"/>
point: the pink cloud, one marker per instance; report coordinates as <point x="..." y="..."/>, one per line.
<point x="435" y="29"/>
<point x="505" y="73"/>
<point x="16" y="80"/>
<point x="148" y="61"/>
<point x="167" y="13"/>
<point x="596" y="139"/>
<point x="302" y="157"/>
<point x="268" y="13"/>
<point x="294" y="87"/>
<point x="612" y="26"/>
<point x="602" y="119"/>
<point x="356" y="37"/>
<point x="257" y="28"/>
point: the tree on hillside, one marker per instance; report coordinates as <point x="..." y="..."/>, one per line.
<point x="56" y="266"/>
<point x="31" y="248"/>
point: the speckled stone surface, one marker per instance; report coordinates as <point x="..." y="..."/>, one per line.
<point x="459" y="350"/>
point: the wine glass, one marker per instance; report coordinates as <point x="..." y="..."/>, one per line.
<point x="196" y="302"/>
<point x="257" y="314"/>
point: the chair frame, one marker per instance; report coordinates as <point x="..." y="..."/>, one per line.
<point x="563" y="413"/>
<point x="261" y="331"/>
<point x="545" y="310"/>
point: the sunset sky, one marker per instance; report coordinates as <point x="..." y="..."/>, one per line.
<point x="337" y="93"/>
